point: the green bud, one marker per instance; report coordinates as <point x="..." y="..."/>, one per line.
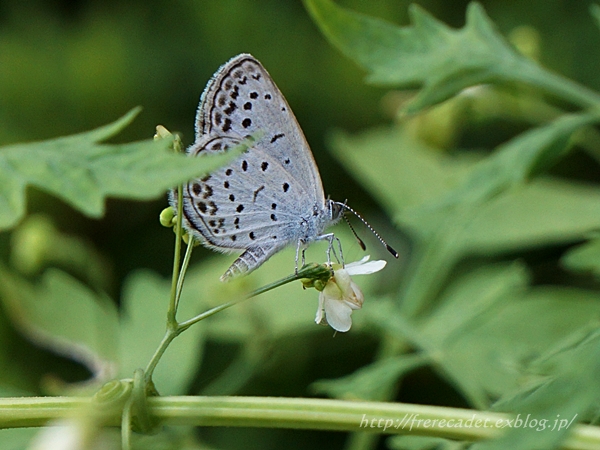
<point x="161" y="133"/>
<point x="168" y="218"/>
<point x="315" y="275"/>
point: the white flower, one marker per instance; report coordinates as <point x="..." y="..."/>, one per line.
<point x="341" y="295"/>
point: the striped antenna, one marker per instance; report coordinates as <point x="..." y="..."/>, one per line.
<point x="360" y="242"/>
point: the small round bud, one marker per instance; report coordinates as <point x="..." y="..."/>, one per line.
<point x="167" y="217"/>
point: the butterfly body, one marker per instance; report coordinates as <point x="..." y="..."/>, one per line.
<point x="271" y="196"/>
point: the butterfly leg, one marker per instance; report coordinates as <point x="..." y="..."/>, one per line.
<point x="330" y="237"/>
<point x="331" y="248"/>
<point x="301" y="245"/>
<point x="341" y="258"/>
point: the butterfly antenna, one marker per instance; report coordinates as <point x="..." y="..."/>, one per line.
<point x="361" y="243"/>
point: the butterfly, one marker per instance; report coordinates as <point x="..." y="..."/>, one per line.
<point x="271" y="196"/>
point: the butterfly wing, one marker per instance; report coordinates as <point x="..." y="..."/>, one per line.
<point x="242" y="99"/>
<point x="256" y="203"/>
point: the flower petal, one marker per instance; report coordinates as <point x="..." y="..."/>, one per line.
<point x="320" y="317"/>
<point x="338" y="314"/>
<point x="366" y="267"/>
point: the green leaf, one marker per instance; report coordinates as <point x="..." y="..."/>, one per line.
<point x="487" y="326"/>
<point x="402" y="171"/>
<point x="584" y="258"/>
<point x="372" y="382"/>
<point x="63" y="315"/>
<point x="84" y="172"/>
<point x="441" y="60"/>
<point x="145" y="302"/>
<point x="524" y="325"/>
<point x="482" y="208"/>
<point x="36" y="243"/>
<point x="521" y="158"/>
<point x="571" y="390"/>
<point x="417" y="181"/>
<point x="544" y="212"/>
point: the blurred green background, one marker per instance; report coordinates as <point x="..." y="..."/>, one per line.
<point x="67" y="67"/>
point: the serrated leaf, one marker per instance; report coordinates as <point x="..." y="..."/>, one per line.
<point x="84" y="172"/>
<point x="442" y="60"/>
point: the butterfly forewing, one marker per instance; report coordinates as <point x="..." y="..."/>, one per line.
<point x="242" y="100"/>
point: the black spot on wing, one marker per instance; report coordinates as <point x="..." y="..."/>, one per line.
<point x="256" y="192"/>
<point x="277" y="136"/>
<point x="208" y="191"/>
<point x="230" y="109"/>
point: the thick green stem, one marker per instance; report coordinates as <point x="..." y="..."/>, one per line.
<point x="296" y="413"/>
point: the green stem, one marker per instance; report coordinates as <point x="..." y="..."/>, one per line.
<point x="295" y="413"/>
<point x="184" y="267"/>
<point x="170" y="334"/>
<point x="188" y="323"/>
<point x="561" y="87"/>
<point x="176" y="287"/>
<point x="172" y="311"/>
<point x="126" y="425"/>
